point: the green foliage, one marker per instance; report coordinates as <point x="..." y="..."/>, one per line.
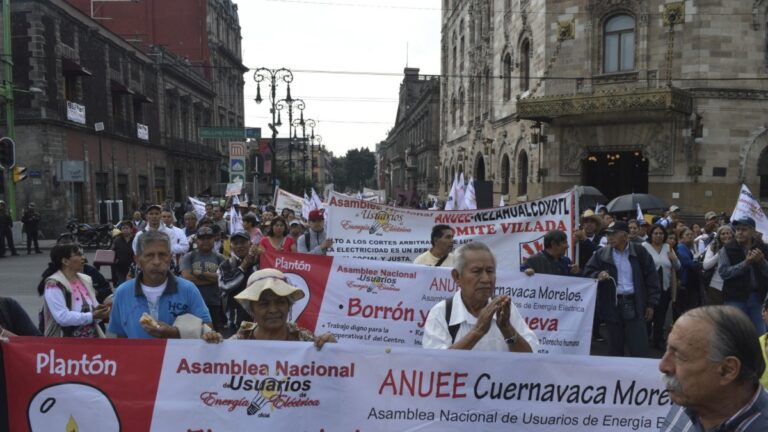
<point x="355" y="170"/>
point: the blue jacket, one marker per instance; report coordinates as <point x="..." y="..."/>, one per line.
<point x="644" y="277"/>
<point x="688" y="266"/>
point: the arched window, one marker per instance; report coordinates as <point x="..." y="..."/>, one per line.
<point x="525" y="65"/>
<point x="505" y="175"/>
<point x="762" y="171"/>
<point x="619" y="44"/>
<point x="506" y="67"/>
<point x="453" y="111"/>
<point x="522" y="174"/>
<point x="461" y="106"/>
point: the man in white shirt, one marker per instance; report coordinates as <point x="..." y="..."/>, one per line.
<point x="179" y="241"/>
<point x="442" y="244"/>
<point x="153" y="224"/>
<point x="474" y="318"/>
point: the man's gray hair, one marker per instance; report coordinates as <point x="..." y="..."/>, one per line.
<point x="460" y="258"/>
<point x="151" y="236"/>
<point x="190" y="215"/>
<point x="733" y="335"/>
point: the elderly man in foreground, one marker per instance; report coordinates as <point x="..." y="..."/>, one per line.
<point x="712" y="368"/>
<point x="475" y="318"/>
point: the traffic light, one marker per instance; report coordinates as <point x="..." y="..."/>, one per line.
<point x="7" y="153"/>
<point x="19" y="173"/>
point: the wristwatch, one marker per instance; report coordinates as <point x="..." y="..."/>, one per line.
<point x="511" y="340"/>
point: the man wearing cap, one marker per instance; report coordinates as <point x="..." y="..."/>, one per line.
<point x="588" y="237"/>
<point x="31" y="221"/>
<point x="154" y="213"/>
<point x="295" y="229"/>
<point x="6" y="230"/>
<point x="158" y="293"/>
<point x="627" y="292"/>
<point x="711" y="223"/>
<point x="744" y="270"/>
<point x="439" y="255"/>
<point x="315" y="241"/>
<point x="234" y="272"/>
<point x="201" y="268"/>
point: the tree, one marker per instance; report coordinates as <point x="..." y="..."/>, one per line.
<point x="360" y="169"/>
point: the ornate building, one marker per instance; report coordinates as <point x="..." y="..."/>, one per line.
<point x="408" y="158"/>
<point x="626" y="95"/>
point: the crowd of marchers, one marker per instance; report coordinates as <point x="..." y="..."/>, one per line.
<point x="696" y="291"/>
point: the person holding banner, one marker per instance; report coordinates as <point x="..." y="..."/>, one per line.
<point x="442" y="244"/>
<point x="627" y="292"/>
<point x="552" y="259"/>
<point x="268" y="297"/>
<point x="474" y="318"/>
<point x="744" y="270"/>
<point x="712" y="368"/>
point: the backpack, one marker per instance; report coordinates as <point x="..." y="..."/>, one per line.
<point x="452" y="329"/>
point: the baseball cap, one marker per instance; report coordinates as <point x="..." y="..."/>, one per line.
<point x="294" y="222"/>
<point x="155" y="206"/>
<point x="240" y="234"/>
<point x="617" y="226"/>
<point x="710" y="215"/>
<point x="674" y="208"/>
<point x="205" y="232"/>
<point x="316" y="215"/>
<point x="746" y="220"/>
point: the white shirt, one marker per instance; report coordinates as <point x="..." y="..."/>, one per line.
<point x="437" y="336"/>
<point x="179" y="241"/>
<point x="69" y="317"/>
<point x="153" y="297"/>
<point x="428" y="259"/>
<point x="661" y="259"/>
<point x="135" y="244"/>
<point x="712" y="259"/>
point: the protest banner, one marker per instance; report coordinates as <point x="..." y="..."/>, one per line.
<point x="385" y="303"/>
<point x="233" y="189"/>
<point x="748" y="206"/>
<point x="57" y="384"/>
<point x="374" y="231"/>
<point x="284" y="199"/>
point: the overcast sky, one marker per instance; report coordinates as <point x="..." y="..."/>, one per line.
<point x="352" y="110"/>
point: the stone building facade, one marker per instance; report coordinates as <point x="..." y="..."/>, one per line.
<point x="106" y="122"/>
<point x="408" y="158"/>
<point x="665" y="97"/>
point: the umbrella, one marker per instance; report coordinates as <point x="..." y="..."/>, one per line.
<point x="629" y="202"/>
<point x="589" y="197"/>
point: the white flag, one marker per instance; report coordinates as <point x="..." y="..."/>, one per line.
<point x="199" y="207"/>
<point x="501" y="201"/>
<point x="460" y="189"/>
<point x="450" y="202"/>
<point x="640" y="217"/>
<point x="748" y="206"/>
<point x="317" y="204"/>
<point x="305" y="206"/>
<point x="470" y="200"/>
<point x="235" y="221"/>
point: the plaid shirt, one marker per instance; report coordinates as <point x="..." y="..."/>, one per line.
<point x="751" y="418"/>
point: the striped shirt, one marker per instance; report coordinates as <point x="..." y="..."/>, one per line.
<point x="751" y="418"/>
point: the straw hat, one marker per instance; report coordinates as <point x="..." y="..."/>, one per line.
<point x="267" y="279"/>
<point x="590" y="215"/>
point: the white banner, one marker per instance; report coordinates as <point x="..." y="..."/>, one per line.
<point x="748" y="206"/>
<point x="75" y="112"/>
<point x="284" y="199"/>
<point x="199" y="207"/>
<point x="385" y="303"/>
<point x="186" y="385"/>
<point x="379" y="232"/>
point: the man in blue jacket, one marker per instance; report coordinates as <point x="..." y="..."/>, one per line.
<point x="627" y="292"/>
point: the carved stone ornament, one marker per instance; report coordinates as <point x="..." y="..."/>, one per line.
<point x="566" y="30"/>
<point x="656" y="141"/>
<point x="674" y="13"/>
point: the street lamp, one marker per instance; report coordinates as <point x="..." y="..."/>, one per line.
<point x="289" y="102"/>
<point x="273" y="76"/>
<point x="304" y="123"/>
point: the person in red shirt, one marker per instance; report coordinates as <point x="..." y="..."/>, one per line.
<point x="276" y="239"/>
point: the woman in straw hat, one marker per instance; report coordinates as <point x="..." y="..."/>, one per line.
<point x="268" y="297"/>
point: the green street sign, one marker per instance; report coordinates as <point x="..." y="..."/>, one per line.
<point x="228" y="132"/>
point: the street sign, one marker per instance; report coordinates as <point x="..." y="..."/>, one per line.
<point x="228" y="132"/>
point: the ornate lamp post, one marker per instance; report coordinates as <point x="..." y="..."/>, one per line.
<point x="304" y="124"/>
<point x="289" y="102"/>
<point x="273" y="78"/>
